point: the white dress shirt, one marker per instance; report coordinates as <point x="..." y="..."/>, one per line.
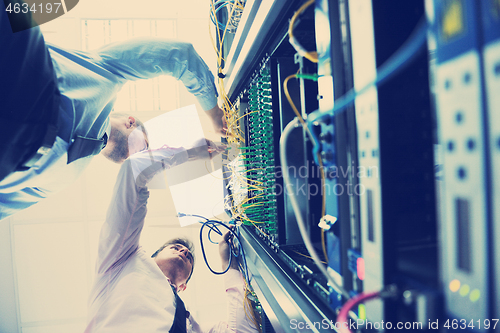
<point x="130" y="293"/>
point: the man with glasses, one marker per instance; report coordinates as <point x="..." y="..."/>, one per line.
<point x="134" y="292"/>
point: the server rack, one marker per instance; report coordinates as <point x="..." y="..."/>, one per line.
<point x="395" y="135"/>
<point x="254" y="80"/>
<point x="465" y="41"/>
<point x="385" y="238"/>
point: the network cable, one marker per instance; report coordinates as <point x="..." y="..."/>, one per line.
<point x="393" y="65"/>
<point x="313" y="77"/>
<point x="342" y="318"/>
<point x="209" y="223"/>
<point x="342" y="323"/>
<point x="213" y="226"/>
<point x="236" y="251"/>
<point x="296" y="209"/>
<point x="218" y="5"/>
<point x="402" y="57"/>
<point x="233" y="133"/>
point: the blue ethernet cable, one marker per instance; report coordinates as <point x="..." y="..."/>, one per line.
<point x="402" y="57"/>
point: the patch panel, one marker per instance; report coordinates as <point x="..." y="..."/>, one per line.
<point x="261" y="210"/>
<point x="263" y="207"/>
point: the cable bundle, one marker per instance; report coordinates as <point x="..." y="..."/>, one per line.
<point x="235" y="9"/>
<point x="233" y="133"/>
<point x="237" y="253"/>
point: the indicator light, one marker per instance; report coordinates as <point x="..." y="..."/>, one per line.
<point x="464" y="290"/>
<point x="454" y="285"/>
<point x="475" y="295"/>
<point x="453" y="20"/>
<point x="362" y="312"/>
<point x="360" y="268"/>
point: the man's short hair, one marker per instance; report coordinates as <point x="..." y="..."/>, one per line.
<point x="182" y="241"/>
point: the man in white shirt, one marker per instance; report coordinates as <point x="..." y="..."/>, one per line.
<point x="134" y="292"/>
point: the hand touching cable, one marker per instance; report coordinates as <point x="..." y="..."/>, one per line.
<point x="205" y="149"/>
<point x="225" y="251"/>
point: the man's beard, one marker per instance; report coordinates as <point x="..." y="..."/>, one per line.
<point x="119" y="153"/>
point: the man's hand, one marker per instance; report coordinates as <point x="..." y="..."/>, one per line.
<point x="225" y="251"/>
<point x="218" y="120"/>
<point x="205" y="149"/>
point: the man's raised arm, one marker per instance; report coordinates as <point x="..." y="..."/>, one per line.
<point x="121" y="231"/>
<point x="145" y="58"/>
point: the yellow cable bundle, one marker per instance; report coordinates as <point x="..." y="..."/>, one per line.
<point x="233" y="134"/>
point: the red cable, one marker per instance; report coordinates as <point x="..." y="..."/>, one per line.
<point x="342" y="322"/>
